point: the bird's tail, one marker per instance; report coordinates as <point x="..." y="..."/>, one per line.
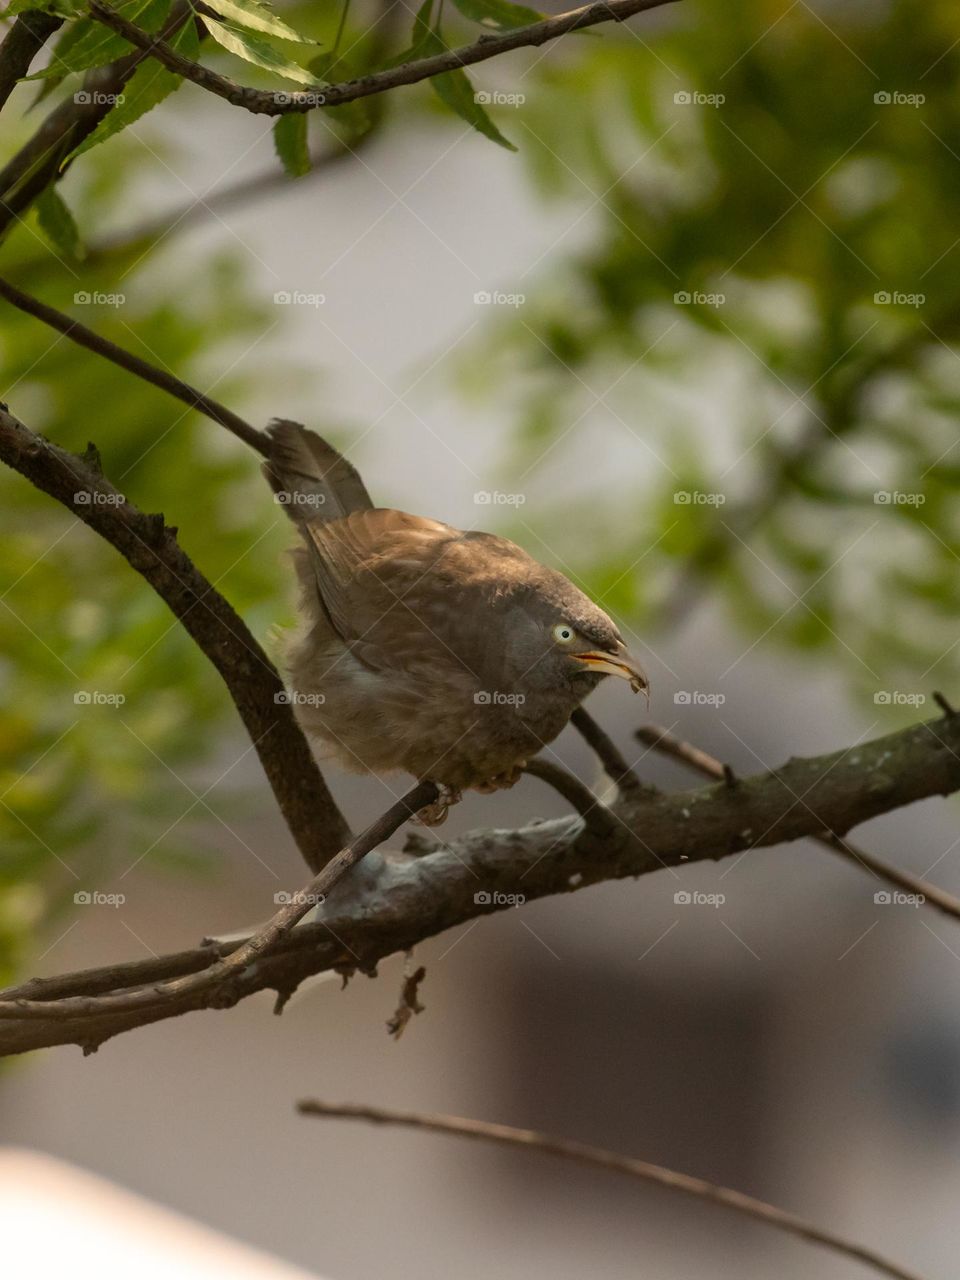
<point x="310" y="478"/>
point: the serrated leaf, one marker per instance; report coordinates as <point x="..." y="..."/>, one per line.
<point x="88" y="43"/>
<point x="454" y="89"/>
<point x="58" y="225"/>
<point x="146" y="89"/>
<point x="290" y="143"/>
<point x="353" y="119"/>
<point x="252" y="49"/>
<point x="257" y="17"/>
<point x="498" y="14"/>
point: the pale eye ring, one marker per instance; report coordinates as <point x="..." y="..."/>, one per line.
<point x="563" y="633"/>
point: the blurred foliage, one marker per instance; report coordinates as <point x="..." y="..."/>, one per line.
<point x="92" y="786"/>
<point x="766" y="280"/>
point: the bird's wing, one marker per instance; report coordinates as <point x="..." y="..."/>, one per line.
<point x="403" y="591"/>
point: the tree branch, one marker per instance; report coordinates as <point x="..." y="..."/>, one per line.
<point x="665" y="742"/>
<point x="273" y="103"/>
<point x="400" y="900"/>
<point x="151" y="548"/>
<point x="84" y="337"/>
<point x="614" y="763"/>
<point x="20" y="45"/>
<point x="599" y="1158"/>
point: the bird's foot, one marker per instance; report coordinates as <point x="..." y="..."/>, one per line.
<point x="432" y="815"/>
<point x="502" y="781"/>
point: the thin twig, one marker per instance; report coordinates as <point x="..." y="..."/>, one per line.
<point x="272" y="103"/>
<point x="85" y="337"/>
<point x="666" y="743"/>
<point x="609" y="754"/>
<point x="613" y="1162"/>
<point x="571" y="788"/>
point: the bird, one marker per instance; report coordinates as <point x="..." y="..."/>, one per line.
<point x="448" y="654"/>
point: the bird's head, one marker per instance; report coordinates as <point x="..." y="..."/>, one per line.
<point x="570" y="642"/>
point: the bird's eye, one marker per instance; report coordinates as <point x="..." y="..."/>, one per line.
<point x="563" y="633"/>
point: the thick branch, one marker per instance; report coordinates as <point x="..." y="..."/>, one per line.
<point x="665" y="742"/>
<point x="151" y="548"/>
<point x="272" y="103"/>
<point x="396" y="901"/>
<point x="612" y="1162"/>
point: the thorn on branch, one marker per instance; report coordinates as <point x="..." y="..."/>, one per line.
<point x="945" y="706"/>
<point x="91" y="458"/>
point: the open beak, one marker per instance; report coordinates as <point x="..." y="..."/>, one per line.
<point x="621" y="664"/>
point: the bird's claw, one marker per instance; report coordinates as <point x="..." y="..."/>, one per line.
<point x="432" y="815"/>
<point x="502" y="781"/>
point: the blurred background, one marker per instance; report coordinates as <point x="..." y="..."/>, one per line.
<point x="696" y="342"/>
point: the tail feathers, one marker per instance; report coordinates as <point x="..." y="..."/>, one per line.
<point x="310" y="478"/>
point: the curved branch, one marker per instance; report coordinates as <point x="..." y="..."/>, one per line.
<point x="613" y="1162"/>
<point x="151" y="547"/>
<point x="400" y="900"/>
<point x="273" y="103"/>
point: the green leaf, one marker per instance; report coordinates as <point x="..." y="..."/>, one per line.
<point x="253" y="49"/>
<point x="423" y="39"/>
<point x="454" y="88"/>
<point x="257" y="17"/>
<point x="63" y="8"/>
<point x="498" y="14"/>
<point x="146" y="88"/>
<point x="290" y="141"/>
<point x="58" y="225"/>
<point x="88" y="43"/>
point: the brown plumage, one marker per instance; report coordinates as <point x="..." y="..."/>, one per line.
<point x="451" y="655"/>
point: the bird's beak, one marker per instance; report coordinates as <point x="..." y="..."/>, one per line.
<point x="621" y="664"/>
